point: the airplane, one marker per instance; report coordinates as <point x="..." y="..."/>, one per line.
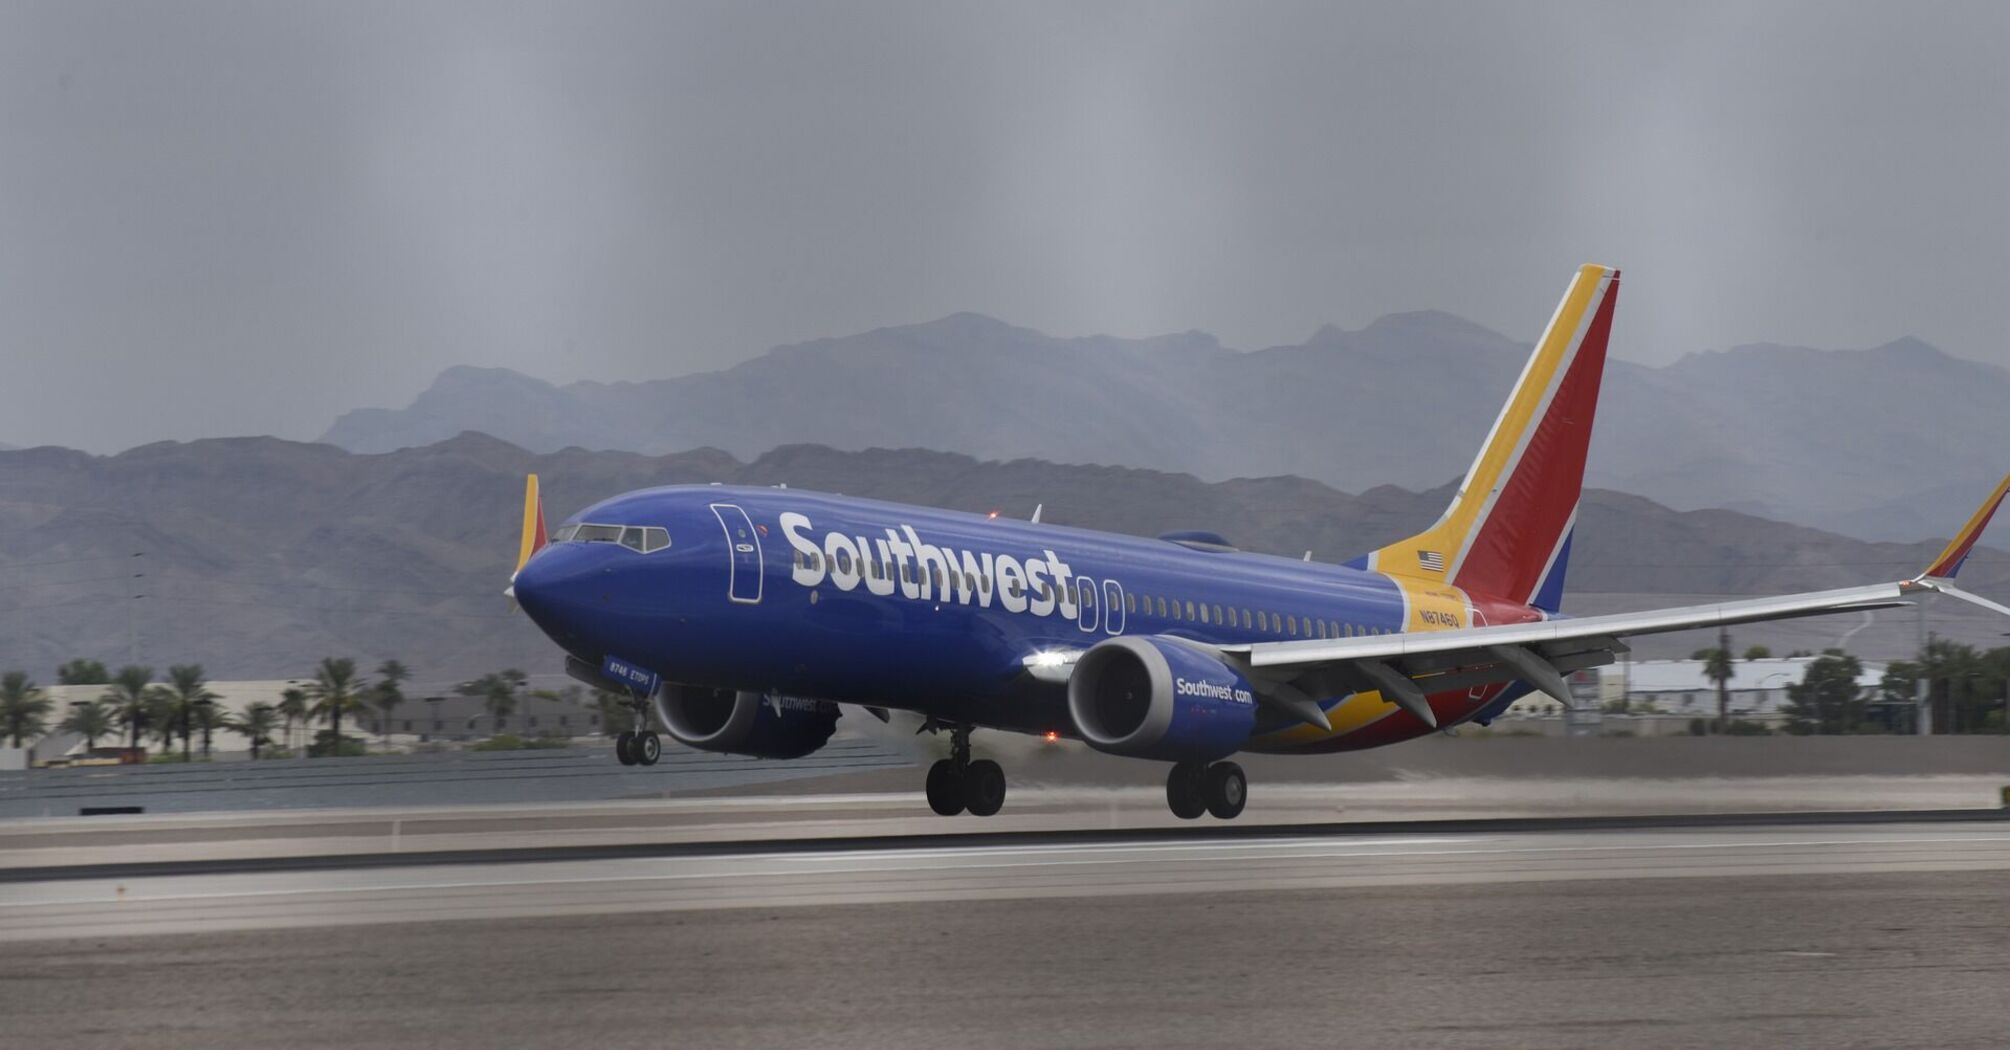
<point x="746" y="616"/>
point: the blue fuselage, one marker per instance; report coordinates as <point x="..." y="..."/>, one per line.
<point x="865" y="602"/>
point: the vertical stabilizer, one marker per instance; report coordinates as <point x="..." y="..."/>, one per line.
<point x="1507" y="533"/>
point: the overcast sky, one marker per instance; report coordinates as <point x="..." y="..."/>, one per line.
<point x="228" y="218"/>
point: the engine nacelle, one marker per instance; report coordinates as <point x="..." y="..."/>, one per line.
<point x="742" y="723"/>
<point x="1155" y="697"/>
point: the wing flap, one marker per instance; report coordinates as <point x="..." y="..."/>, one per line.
<point x="1425" y="651"/>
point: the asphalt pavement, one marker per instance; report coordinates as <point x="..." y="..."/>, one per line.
<point x="1893" y="936"/>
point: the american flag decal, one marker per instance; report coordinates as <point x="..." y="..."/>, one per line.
<point x="1431" y="561"/>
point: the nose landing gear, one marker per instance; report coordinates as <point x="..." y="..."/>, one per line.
<point x="639" y="746"/>
<point x="956" y="783"/>
<point x="1193" y="788"/>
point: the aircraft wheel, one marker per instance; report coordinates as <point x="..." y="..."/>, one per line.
<point x="647" y="749"/>
<point x="984" y="787"/>
<point x="1226" y="790"/>
<point x="945" y="788"/>
<point x="624" y="748"/>
<point x="1183" y="790"/>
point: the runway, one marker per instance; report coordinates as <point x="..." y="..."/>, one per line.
<point x="1837" y="935"/>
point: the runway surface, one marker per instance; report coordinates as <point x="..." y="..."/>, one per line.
<point x="1832" y="936"/>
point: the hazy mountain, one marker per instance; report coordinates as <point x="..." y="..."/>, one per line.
<point x="1871" y="442"/>
<point x="258" y="556"/>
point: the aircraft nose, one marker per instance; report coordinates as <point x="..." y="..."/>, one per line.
<point x="543" y="585"/>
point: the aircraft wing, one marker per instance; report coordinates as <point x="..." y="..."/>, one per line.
<point x="1405" y="667"/>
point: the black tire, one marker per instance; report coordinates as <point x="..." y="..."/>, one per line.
<point x="984" y="787"/>
<point x="1226" y="790"/>
<point x="648" y="748"/>
<point x="1183" y="790"/>
<point x="945" y="788"/>
<point x="624" y="748"/>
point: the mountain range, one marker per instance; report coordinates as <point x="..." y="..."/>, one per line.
<point x="1885" y="443"/>
<point x="256" y="556"/>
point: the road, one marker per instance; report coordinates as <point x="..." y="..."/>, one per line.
<point x="1830" y="936"/>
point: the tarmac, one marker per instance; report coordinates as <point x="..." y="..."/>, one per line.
<point x="1833" y="936"/>
<point x="1469" y="894"/>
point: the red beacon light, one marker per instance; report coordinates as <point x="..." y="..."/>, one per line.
<point x="1052" y="736"/>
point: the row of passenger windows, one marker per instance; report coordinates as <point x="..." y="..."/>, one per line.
<point x="1173" y="609"/>
<point x="1288" y="625"/>
<point x="645" y="538"/>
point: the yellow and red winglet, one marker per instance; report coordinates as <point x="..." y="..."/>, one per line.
<point x="533" y="523"/>
<point x="1949" y="562"/>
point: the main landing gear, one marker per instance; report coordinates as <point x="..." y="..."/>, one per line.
<point x="639" y="746"/>
<point x="956" y="783"/>
<point x="1193" y="788"/>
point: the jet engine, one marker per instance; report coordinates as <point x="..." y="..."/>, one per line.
<point x="1151" y="696"/>
<point x="744" y="723"/>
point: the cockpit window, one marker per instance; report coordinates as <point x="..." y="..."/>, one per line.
<point x="645" y="539"/>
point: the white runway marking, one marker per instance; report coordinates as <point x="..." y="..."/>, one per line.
<point x="184" y="903"/>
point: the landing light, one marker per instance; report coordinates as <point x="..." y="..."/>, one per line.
<point x="993" y="514"/>
<point x="1046" y="659"/>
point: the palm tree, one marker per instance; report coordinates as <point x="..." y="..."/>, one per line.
<point x="90" y="719"/>
<point x="336" y="690"/>
<point x="1719" y="667"/>
<point x="389" y="696"/>
<point x="211" y="716"/>
<point x="498" y="693"/>
<point x="128" y="696"/>
<point x="162" y="716"/>
<point x="256" y="725"/>
<point x="186" y="687"/>
<point x="293" y="706"/>
<point x="24" y="709"/>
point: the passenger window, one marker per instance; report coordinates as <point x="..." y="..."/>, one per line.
<point x="1291" y="626"/>
<point x="1130" y="603"/>
<point x="1162" y="605"/>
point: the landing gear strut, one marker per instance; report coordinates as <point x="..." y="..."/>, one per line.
<point x="1193" y="788"/>
<point x="639" y="746"/>
<point x="956" y="783"/>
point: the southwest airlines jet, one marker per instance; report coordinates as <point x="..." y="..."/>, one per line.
<point x="746" y="616"/>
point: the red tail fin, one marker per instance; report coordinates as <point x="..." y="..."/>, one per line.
<point x="1507" y="533"/>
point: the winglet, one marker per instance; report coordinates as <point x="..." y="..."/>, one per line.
<point x="1949" y="562"/>
<point x="533" y="523"/>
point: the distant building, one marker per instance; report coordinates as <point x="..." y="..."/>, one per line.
<point x="1663" y="695"/>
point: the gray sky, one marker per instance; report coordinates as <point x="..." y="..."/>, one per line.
<point x="227" y="218"/>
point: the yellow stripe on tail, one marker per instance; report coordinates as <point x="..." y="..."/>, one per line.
<point x="1949" y="562"/>
<point x="533" y="523"/>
